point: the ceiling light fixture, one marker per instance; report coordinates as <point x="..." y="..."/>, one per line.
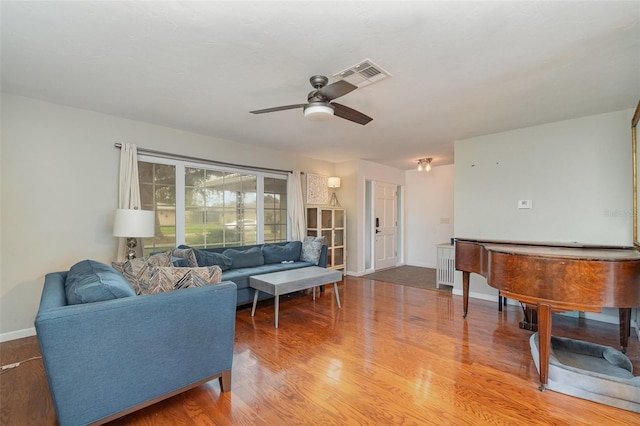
<point x="424" y="164"/>
<point x="318" y="111"/>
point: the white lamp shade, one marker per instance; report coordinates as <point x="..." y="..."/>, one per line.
<point x="318" y="112"/>
<point x="132" y="223"/>
<point x="333" y="182"/>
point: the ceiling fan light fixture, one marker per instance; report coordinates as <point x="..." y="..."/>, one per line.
<point x="318" y="112"/>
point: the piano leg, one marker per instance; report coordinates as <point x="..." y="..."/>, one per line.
<point x="465" y="293"/>
<point x="625" y="327"/>
<point x="544" y="342"/>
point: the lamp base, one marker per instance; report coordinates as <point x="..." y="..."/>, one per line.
<point x="131" y="243"/>
<point x="334" y="201"/>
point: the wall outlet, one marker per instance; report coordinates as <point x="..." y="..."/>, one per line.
<point x="525" y="204"/>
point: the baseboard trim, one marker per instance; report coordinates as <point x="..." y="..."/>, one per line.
<point x="474" y="295"/>
<point x="18" y="334"/>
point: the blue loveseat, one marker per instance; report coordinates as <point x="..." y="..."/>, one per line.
<point x="243" y="261"/>
<point x="108" y="352"/>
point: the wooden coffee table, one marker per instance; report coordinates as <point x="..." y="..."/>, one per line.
<point x="284" y="282"/>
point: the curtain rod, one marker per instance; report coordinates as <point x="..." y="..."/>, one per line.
<point x="203" y="160"/>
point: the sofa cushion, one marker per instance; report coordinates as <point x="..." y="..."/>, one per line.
<point x="167" y="278"/>
<point x="311" y="248"/>
<point x="185" y="253"/>
<point x="209" y="258"/>
<point x="90" y="281"/>
<point x="277" y="253"/>
<point x="245" y="258"/>
<point x="137" y="271"/>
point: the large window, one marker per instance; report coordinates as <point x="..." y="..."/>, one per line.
<point x="220" y="208"/>
<point x="275" y="210"/>
<point x="158" y="193"/>
<point x="205" y="206"/>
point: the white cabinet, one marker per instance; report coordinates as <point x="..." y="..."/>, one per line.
<point x="330" y="223"/>
<point x="446" y="258"/>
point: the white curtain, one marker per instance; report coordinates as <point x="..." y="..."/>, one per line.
<point x="129" y="192"/>
<point x="295" y="203"/>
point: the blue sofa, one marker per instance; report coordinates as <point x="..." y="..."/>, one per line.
<point x="255" y="259"/>
<point x="108" y="352"/>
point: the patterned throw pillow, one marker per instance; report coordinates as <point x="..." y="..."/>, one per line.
<point x="164" y="278"/>
<point x="311" y="248"/>
<point x="185" y="253"/>
<point x="137" y="271"/>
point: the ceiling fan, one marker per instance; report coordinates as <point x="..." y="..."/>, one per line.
<point x="320" y="106"/>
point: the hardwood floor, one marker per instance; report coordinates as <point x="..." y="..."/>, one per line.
<point x="392" y="355"/>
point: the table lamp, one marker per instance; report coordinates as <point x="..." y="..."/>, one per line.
<point x="334" y="182"/>
<point x="132" y="224"/>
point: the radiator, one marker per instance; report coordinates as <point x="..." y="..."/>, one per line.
<point x="446" y="264"/>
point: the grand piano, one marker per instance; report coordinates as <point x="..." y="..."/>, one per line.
<point x="555" y="278"/>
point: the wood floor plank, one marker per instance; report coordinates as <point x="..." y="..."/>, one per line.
<point x="392" y="355"/>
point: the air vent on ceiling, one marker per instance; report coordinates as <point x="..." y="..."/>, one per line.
<point x="363" y="74"/>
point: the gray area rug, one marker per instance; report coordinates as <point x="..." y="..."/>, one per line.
<point x="413" y="276"/>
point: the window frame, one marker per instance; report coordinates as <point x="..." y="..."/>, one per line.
<point x="180" y="195"/>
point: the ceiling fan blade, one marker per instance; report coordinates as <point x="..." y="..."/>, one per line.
<point x="337" y="89"/>
<point x="280" y="108"/>
<point x="350" y="114"/>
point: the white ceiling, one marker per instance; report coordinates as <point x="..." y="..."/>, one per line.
<point x="459" y="69"/>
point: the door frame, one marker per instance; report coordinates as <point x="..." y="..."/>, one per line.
<point x="369" y="233"/>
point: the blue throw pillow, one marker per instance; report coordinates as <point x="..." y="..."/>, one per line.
<point x="209" y="258"/>
<point x="245" y="258"/>
<point x="276" y="253"/>
<point x="180" y="262"/>
<point x="90" y="281"/>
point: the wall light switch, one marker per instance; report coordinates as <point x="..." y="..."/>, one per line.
<point x="525" y="204"/>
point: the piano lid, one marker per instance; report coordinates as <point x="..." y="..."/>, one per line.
<point x="572" y="244"/>
<point x="582" y="252"/>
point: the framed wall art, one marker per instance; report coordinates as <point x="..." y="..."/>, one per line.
<point x="317" y="190"/>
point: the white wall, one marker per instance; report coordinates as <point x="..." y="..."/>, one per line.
<point x="59" y="182"/>
<point x="349" y="199"/>
<point x="428" y="213"/>
<point x="577" y="172"/>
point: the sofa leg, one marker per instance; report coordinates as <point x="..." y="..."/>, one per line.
<point x="225" y="381"/>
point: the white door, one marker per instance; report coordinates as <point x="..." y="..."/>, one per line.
<point x="385" y="225"/>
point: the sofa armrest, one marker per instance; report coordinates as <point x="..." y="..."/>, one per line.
<point x="107" y="357"/>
